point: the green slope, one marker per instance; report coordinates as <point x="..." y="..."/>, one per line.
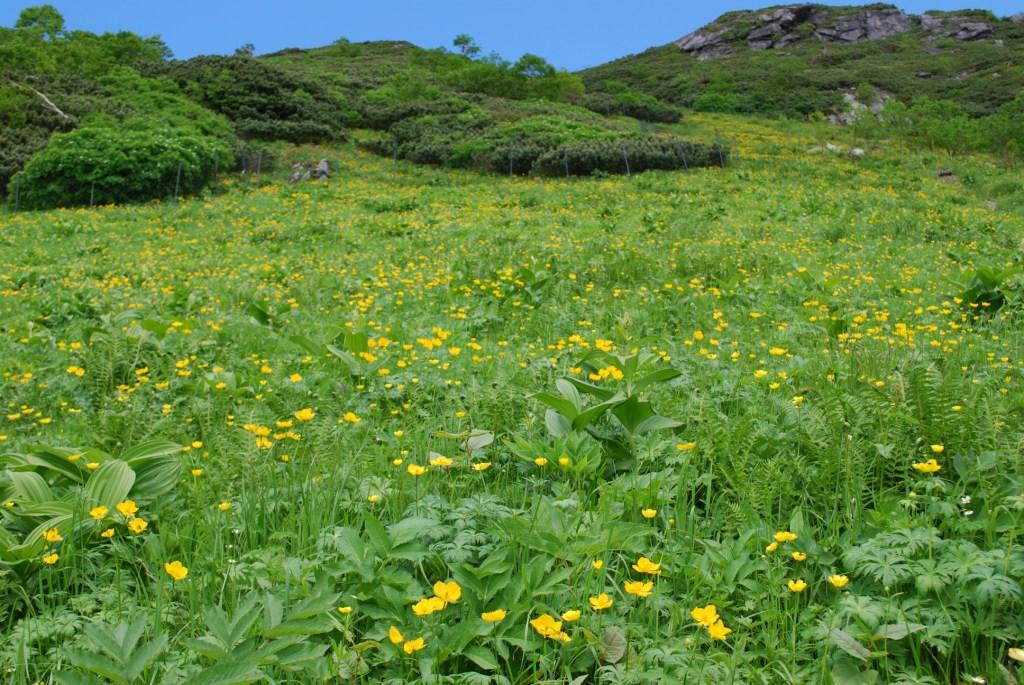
<point x="809" y="76"/>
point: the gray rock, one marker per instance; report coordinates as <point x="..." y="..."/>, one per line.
<point x="1018" y="18"/>
<point x="857" y="152"/>
<point x="775" y="28"/>
<point x="973" y="30"/>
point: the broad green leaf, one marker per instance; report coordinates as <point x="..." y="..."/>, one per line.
<point x="849" y="644"/>
<point x="559" y="404"/>
<point x="897" y="631"/>
<point x="557" y="424"/>
<point x="482" y="657"/>
<point x="613" y="645"/>
<point x="656" y="423"/>
<point x="228" y="673"/>
<point x="30" y="486"/>
<point x="569" y="392"/>
<point x="659" y="376"/>
<point x="109" y="484"/>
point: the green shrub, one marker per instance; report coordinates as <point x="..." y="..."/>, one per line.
<point x="634" y="153"/>
<point x="263" y="101"/>
<point x="117" y="164"/>
<point x="631" y="104"/>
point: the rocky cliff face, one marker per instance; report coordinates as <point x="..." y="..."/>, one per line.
<point x="778" y="27"/>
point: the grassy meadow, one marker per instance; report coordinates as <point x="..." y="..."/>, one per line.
<point x="759" y="424"/>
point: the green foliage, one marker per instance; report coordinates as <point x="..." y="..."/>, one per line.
<point x="262" y="101"/>
<point x="131" y="162"/>
<point x="545" y="144"/>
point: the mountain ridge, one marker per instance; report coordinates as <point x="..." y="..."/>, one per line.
<point x="799" y="59"/>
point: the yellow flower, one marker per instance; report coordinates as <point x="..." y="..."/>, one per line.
<point x="108" y="533"/>
<point x="546" y="625"/>
<point x="416" y="470"/>
<point x="99" y="512"/>
<point x="441" y="461"/>
<point x="373" y="499"/>
<point x="785" y="536"/>
<point x="351" y="418"/>
<point x="1016" y="653"/>
<point x="930" y="466"/>
<point x="494" y="616"/>
<point x="344" y="610"/>
<point x="799" y="556"/>
<point x="52" y="535"/>
<point x="571" y="615"/>
<point x="224" y="506"/>
<point x="718" y="631"/>
<point x="777" y="351"/>
<point x="197" y="472"/>
<point x="771" y="547"/>
<point x="639" y="588"/>
<point x="137" y="525"/>
<point x="305" y="414"/>
<point x="601" y="602"/>
<point x="175" y="570"/>
<point x="645" y="565"/>
<point x="797" y="585"/>
<point x="597" y="564"/>
<point x="481" y="466"/>
<point x="649" y="513"/>
<point x="564" y="460"/>
<point x="686" y="446"/>
<point x="839" y="581"/>
<point x="449" y="592"/>
<point x="127" y="508"/>
<point x="414" y="645"/>
<point x="427" y="606"/>
<point x="51" y="559"/>
<point x="707" y="616"/>
<point x="395" y="635"/>
<point x="295" y="378"/>
<point x="92" y="465"/>
<point x="938" y="449"/>
<point x="540" y="461"/>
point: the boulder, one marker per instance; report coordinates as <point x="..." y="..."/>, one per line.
<point x="973" y="30"/>
<point x="1018" y="18"/>
<point x="777" y="28"/>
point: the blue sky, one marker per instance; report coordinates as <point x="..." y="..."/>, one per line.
<point x="569" y="34"/>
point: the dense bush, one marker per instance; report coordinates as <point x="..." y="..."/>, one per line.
<point x="635" y="153"/>
<point x="382" y="114"/>
<point x="116" y="164"/>
<point x="631" y="104"/>
<point x="540" y="145"/>
<point x="264" y="101"/>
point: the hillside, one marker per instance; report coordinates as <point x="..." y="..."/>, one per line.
<point x="801" y="59"/>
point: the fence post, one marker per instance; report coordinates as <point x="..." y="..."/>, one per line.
<point x="17" y="194"/>
<point x="566" y="160"/>
<point x="92" y="194"/>
<point x="259" y="161"/>
<point x="177" y="182"/>
<point x="626" y="157"/>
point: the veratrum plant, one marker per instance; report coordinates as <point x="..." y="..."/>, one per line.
<point x="621" y="379"/>
<point x="56" y="487"/>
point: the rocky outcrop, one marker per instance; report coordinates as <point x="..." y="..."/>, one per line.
<point x="779" y="27"/>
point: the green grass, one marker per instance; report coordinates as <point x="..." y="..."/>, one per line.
<point x="798" y="309"/>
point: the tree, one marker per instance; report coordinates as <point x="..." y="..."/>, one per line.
<point x="533" y="66"/>
<point x="466" y="45"/>
<point x="43" y="20"/>
<point x="247" y="50"/>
